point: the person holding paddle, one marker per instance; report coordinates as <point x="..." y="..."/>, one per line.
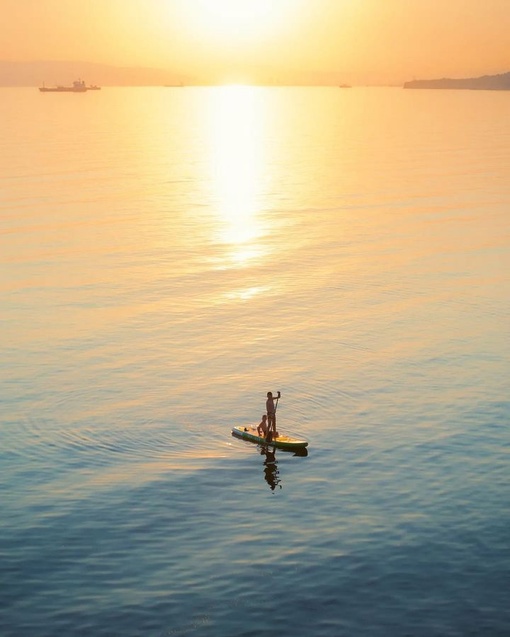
<point x="271" y="415"/>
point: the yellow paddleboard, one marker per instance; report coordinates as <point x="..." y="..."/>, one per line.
<point x="281" y="441"/>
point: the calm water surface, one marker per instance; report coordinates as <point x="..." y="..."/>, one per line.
<point x="167" y="256"/>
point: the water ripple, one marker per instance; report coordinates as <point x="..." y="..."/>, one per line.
<point x="36" y="439"/>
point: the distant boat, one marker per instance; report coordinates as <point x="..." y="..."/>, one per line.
<point x="78" y="86"/>
<point x="345" y="86"/>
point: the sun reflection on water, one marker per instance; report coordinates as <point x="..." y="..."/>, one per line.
<point x="237" y="172"/>
<point x="247" y="293"/>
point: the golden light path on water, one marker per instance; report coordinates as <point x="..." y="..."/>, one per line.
<point x="236" y="166"/>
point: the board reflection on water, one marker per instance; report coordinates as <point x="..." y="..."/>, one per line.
<point x="271" y="469"/>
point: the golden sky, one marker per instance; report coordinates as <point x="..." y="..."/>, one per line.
<point x="260" y="40"/>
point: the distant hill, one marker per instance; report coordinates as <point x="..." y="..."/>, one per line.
<point x="484" y="83"/>
<point x="52" y="72"/>
<point x="60" y="72"/>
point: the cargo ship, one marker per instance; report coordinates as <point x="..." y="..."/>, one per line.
<point x="78" y="86"/>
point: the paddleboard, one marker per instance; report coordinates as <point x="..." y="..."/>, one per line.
<point x="281" y="441"/>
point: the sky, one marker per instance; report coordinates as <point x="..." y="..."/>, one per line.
<point x="266" y="40"/>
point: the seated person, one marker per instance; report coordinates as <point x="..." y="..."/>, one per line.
<point x="262" y="428"/>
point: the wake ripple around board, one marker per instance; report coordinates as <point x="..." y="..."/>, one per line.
<point x="83" y="444"/>
<point x="305" y="408"/>
<point x="309" y="406"/>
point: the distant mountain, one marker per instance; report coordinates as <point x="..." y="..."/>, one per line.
<point x="55" y="72"/>
<point x="484" y="83"/>
<point x="60" y="72"/>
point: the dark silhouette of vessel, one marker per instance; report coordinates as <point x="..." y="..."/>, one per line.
<point x="78" y="86"/>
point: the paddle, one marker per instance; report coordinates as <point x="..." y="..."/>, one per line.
<point x="276" y="405"/>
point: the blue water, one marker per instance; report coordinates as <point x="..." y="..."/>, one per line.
<point x="170" y="255"/>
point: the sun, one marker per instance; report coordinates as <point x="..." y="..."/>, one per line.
<point x="228" y="16"/>
<point x="231" y="20"/>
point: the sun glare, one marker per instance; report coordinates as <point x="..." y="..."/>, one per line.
<point x="232" y="20"/>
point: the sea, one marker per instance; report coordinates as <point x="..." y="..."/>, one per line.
<point x="168" y="255"/>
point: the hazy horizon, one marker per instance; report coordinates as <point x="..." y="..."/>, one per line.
<point x="52" y="72"/>
<point x="262" y="41"/>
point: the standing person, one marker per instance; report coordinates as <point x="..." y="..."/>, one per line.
<point x="271" y="415"/>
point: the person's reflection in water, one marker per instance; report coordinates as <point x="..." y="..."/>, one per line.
<point x="271" y="473"/>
